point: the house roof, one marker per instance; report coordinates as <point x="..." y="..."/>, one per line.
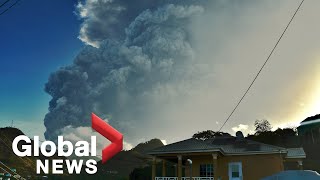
<point x="311" y="118"/>
<point x="308" y="124"/>
<point x="225" y="145"/>
<point x="296" y="153"/>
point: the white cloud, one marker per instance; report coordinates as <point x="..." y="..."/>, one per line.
<point x="240" y="127"/>
<point x="164" y="142"/>
<point x="84" y="134"/>
<point x="287" y="125"/>
<point x="127" y="146"/>
<point x="99" y="17"/>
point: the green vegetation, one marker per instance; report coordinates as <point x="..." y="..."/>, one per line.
<point x="208" y="134"/>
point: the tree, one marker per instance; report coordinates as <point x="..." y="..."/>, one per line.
<point x="262" y="126"/>
<point x="208" y="134"/>
<point x="286" y="132"/>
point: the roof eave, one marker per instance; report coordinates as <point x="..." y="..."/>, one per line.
<point x="255" y="153"/>
<point x="184" y="152"/>
<point x="296" y="157"/>
<point x="225" y="154"/>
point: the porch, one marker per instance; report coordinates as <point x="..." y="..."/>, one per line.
<point x="199" y="166"/>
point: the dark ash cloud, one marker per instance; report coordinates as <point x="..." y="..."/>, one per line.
<point x="125" y="77"/>
<point x="107" y="19"/>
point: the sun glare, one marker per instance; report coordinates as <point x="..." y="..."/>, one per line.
<point x="315" y="105"/>
<point x="312" y="107"/>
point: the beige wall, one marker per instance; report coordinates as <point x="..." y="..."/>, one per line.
<point x="254" y="167"/>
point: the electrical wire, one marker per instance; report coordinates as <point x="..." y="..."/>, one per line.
<point x="259" y="72"/>
<point x="11" y="149"/>
<point x="15" y="3"/>
<point x="4" y="3"/>
<point x="7" y="172"/>
<point x="12" y="174"/>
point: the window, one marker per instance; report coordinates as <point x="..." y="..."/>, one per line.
<point x="235" y="171"/>
<point x="206" y="170"/>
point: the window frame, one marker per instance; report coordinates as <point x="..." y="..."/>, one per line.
<point x="206" y="170"/>
<point x="230" y="171"/>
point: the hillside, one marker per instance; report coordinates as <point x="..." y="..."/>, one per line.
<point x="124" y="162"/>
<point x="121" y="165"/>
<point x="25" y="166"/>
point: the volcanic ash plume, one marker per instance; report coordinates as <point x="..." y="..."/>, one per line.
<point x="128" y="75"/>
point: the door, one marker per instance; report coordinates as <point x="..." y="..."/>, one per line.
<point x="235" y="171"/>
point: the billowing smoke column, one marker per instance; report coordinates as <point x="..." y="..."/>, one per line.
<point x="141" y="61"/>
<point x="107" y="19"/>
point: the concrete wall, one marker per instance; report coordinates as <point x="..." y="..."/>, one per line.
<point x="254" y="167"/>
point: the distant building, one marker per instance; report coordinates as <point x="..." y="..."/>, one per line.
<point x="223" y="158"/>
<point x="294" y="175"/>
<point x="309" y="130"/>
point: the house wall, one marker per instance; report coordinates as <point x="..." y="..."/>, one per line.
<point x="196" y="161"/>
<point x="254" y="167"/>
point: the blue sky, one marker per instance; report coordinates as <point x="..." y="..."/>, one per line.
<point x="37" y="37"/>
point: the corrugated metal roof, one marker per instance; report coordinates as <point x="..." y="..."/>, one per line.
<point x="188" y="145"/>
<point x="296" y="153"/>
<point x="226" y="145"/>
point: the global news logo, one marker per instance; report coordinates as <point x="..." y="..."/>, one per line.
<point x="65" y="148"/>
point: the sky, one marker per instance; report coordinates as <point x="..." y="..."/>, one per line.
<point x="212" y="54"/>
<point x="37" y="37"/>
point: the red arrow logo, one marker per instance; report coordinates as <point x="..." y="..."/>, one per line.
<point x="111" y="134"/>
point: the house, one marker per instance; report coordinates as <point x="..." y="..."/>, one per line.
<point x="222" y="158"/>
<point x="309" y="130"/>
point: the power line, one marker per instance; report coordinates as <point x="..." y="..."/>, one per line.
<point x="11" y="149"/>
<point x="9" y="7"/>
<point x="12" y="172"/>
<point x="4" y="3"/>
<point x="7" y="172"/>
<point x="264" y="64"/>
